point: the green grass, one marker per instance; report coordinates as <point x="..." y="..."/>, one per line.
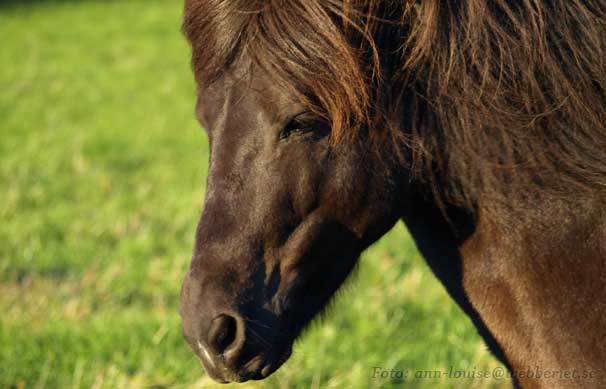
<point x="102" y="171"/>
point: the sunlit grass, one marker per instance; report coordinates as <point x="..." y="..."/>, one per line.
<point x="102" y="167"/>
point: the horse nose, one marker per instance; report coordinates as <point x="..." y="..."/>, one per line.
<point x="222" y="335"/>
<point x="222" y="341"/>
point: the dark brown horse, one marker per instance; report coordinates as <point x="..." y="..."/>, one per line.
<point x="481" y="124"/>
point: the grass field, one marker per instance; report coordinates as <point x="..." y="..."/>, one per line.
<point x="102" y="171"/>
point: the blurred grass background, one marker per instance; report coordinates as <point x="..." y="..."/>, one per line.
<point x="102" y="171"/>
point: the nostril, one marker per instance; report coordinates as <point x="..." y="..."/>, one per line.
<point x="222" y="333"/>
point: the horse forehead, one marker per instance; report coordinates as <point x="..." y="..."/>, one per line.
<point x="249" y="97"/>
<point x="239" y="126"/>
<point x="225" y="102"/>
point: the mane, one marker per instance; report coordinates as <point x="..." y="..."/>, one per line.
<point x="484" y="100"/>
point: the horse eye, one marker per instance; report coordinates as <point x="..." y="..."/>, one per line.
<point x="304" y="123"/>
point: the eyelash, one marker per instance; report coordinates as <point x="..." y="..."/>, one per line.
<point x="300" y="124"/>
<point x="294" y="128"/>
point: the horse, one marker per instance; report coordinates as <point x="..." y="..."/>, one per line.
<point x="480" y="124"/>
